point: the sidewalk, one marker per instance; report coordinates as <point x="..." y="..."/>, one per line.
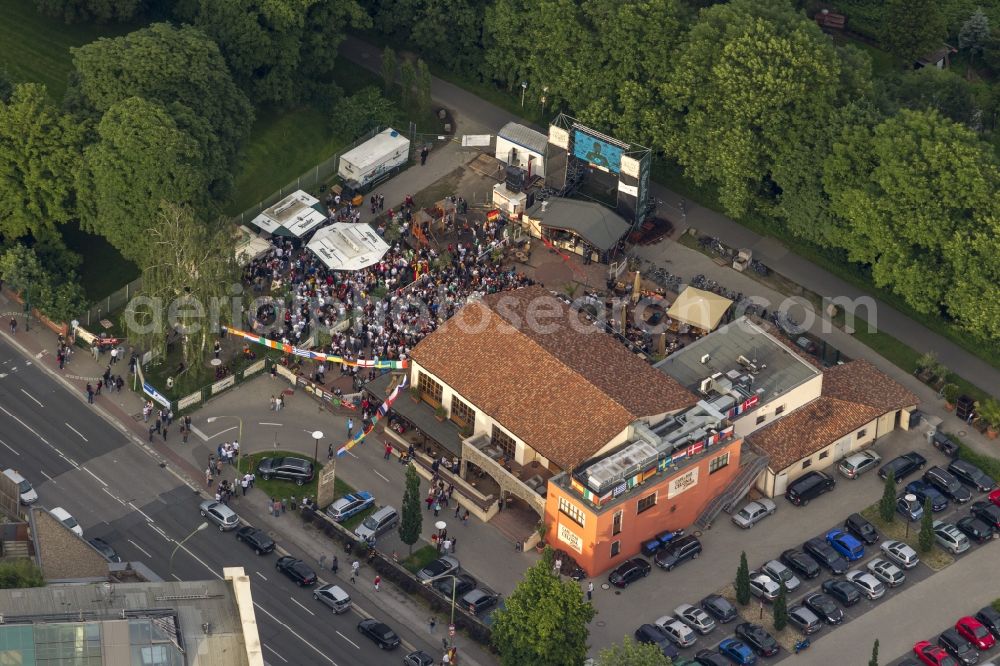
<point x="475" y="115"/>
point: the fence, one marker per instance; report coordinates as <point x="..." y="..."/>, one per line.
<point x="111" y="303"/>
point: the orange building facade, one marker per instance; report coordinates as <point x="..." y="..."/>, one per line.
<point x="602" y="531"/>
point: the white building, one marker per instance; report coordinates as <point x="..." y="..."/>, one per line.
<point x="522" y="147"/>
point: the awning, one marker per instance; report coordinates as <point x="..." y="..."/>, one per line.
<point x="348" y="247"/>
<point x="295" y="215"/>
<point x="698" y="308"/>
<point x="599" y="226"/>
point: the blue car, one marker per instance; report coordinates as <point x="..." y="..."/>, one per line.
<point x="846" y="544"/>
<point x="349" y="505"/>
<point x="925" y="491"/>
<point x="738" y="652"/>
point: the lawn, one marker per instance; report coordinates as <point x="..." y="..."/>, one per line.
<point x="420" y="558"/>
<point x="278" y="489"/>
<point x="936" y="558"/>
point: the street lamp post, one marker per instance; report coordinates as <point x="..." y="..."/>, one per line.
<point x="181" y="543"/>
<point x="316" y="435"/>
<point x="910" y="499"/>
<point x="239" y="436"/>
<point x="454" y="587"/>
<point x="524" y="88"/>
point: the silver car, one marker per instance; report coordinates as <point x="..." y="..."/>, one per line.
<point x="695" y="618"/>
<point x="781" y="574"/>
<point x="804" y="620"/>
<point x="679" y="633"/>
<point x="753" y="513"/>
<point x="857" y="464"/>
<point x="333" y="597"/>
<point x="900" y="553"/>
<point x="867" y="584"/>
<point x="220" y="514"/>
<point x="439" y="567"/>
<point x="887" y="572"/>
<point x="950" y="537"/>
<point x="764" y="587"/>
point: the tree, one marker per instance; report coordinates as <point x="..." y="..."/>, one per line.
<point x="925" y="540"/>
<point x="743" y="581"/>
<point x="911" y="28"/>
<point x="363" y="110"/>
<point x="780" y="608"/>
<point x="632" y="653"/>
<point x="98" y="11"/>
<point x="545" y="620"/>
<point x="449" y="32"/>
<point x="874" y="660"/>
<point x="57" y="295"/>
<point x="887" y="504"/>
<point x="407" y="85"/>
<point x="389" y="68"/>
<point x="20" y="573"/>
<point x="941" y="90"/>
<point x="975" y="33"/>
<point x="411" y="519"/>
<point x="423" y="88"/>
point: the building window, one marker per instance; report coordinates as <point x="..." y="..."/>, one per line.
<point x="862" y="433"/>
<point x="571" y="511"/>
<point x="717" y="463"/>
<point x="616" y="547"/>
<point x="647" y="502"/>
<point x="461" y="412"/>
<point x="779" y="410"/>
<point x="760" y="419"/>
<point x="504" y="441"/>
<point x="616" y="523"/>
<point x="430" y="390"/>
<point x="824" y="454"/>
<point x="807" y="463"/>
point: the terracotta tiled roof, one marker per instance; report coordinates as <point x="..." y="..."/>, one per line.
<point x="861" y="382"/>
<point x="561" y="385"/>
<point x="810" y="428"/>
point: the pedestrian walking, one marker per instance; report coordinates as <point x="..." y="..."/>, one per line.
<point x="378" y="581"/>
<point x="273" y="403"/>
<point x="164" y="432"/>
<point x="437" y="508"/>
<point x="355" y="566"/>
<point x="590" y="590"/>
<point x="90" y="392"/>
<point x="350" y="427"/>
<point x="13" y="326"/>
<point x="184" y="436"/>
<point x="388" y="451"/>
<point x="458" y="509"/>
<point x="151" y="433"/>
<point x="557" y="566"/>
<point x="423" y="156"/>
<point x="465" y="517"/>
<point x="217" y="349"/>
<point x="454" y="545"/>
<point x="431" y="623"/>
<point x="244" y="483"/>
<point x="447" y="546"/>
<point x="218" y="466"/>
<point x="208" y="471"/>
<point x="100" y="384"/>
<point x="334" y="564"/>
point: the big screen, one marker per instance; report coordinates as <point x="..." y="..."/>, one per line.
<point x="597" y="152"/>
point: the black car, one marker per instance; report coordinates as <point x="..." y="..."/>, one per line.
<point x="843" y="591"/>
<point x="947" y="484"/>
<point x="825" y="607"/>
<point x="711" y="658"/>
<point x="971" y="475"/>
<point x="988" y="513"/>
<point x="479" y="601"/>
<point x="800" y="562"/>
<point x="650" y="633"/>
<point x="719" y="607"/>
<point x="297" y="570"/>
<point x="678" y="551"/>
<point x="859" y="526"/>
<point x="256" y="538"/>
<point x="462" y="583"/>
<point x="287" y="468"/>
<point x="809" y="486"/>
<point x="758" y="639"/>
<point x="975" y="529"/>
<point x="825" y="555"/>
<point x="105" y="549"/>
<point x="629" y="571"/>
<point x="990" y="617"/>
<point x="958" y="647"/>
<point x="384" y="637"/>
<point x="418" y="658"/>
<point x="904" y="465"/>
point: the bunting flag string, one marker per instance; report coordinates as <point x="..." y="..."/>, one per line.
<point x="379" y="414"/>
<point x="378" y="364"/>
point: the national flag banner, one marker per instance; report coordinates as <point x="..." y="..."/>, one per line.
<point x="493" y="214"/>
<point x="382" y="411"/>
<point x="307" y="353"/>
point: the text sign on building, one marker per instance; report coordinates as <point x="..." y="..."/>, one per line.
<point x="688" y="479"/>
<point x="568" y="537"/>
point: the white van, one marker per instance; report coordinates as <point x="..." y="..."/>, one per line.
<point x="64" y="517"/>
<point x="27" y="493"/>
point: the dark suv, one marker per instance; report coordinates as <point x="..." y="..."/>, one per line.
<point x="971" y="475"/>
<point x="807" y="487"/>
<point x="629" y="572"/>
<point x="902" y="466"/>
<point x="298" y="470"/>
<point x="947" y="484"/>
<point x="857" y="525"/>
<point x="677" y="551"/>
<point x="256" y="538"/>
<point x="825" y="555"/>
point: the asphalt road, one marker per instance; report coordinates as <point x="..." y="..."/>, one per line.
<point x="117" y="492"/>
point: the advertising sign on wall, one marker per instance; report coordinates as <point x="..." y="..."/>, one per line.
<point x="570" y="538"/>
<point x="685" y="481"/>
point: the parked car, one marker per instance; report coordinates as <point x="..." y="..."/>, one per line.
<point x="438" y="568"/>
<point x="846" y="544"/>
<point x="900" y="553"/>
<point x="379" y="632"/>
<point x="479" y="600"/>
<point x="679" y="633"/>
<point x="843" y="591"/>
<point x="25" y="493"/>
<point x="933" y="655"/>
<point x="418" y="658"/>
<point x="975" y="632"/>
<point x="857" y="464"/>
<point x="105" y="549"/>
<point x="990" y="618"/>
<point x="804" y="620"/>
<point x="862" y="528"/>
<point x="803" y="564"/>
<point x="711" y="658"/>
<point x="650" y="633"/>
<point x="287" y="468"/>
<point x="947" y="484"/>
<point x="377" y="524"/>
<point x="461" y="583"/>
<point x="256" y="539"/>
<point x="994" y="497"/>
<point x="958" y="647"/>
<point x="628" y="572"/>
<point x="975" y="529"/>
<point x="950" y="537"/>
<point x="764" y="587"/>
<point x="754" y="512"/>
<point x="64" y="517"/>
<point x="349" y="505"/>
<point x="887" y="572"/>
<point x="300" y="572"/>
<point x="869" y="585"/>
<point x="825" y="607"/>
<point x="678" y="551"/>
<point x="988" y="513"/>
<point x="903" y="465"/>
<point x="911" y="510"/>
<point x="333" y="597"/>
<point x="779" y="573"/>
<point x="220" y="514"/>
<point x="825" y="555"/>
<point x="737" y="652"/>
<point x="758" y="639"/>
<point x="808" y="487"/>
<point x="971" y="475"/>
<point x="925" y="491"/>
<point x="695" y="617"/>
<point x="719" y="607"/>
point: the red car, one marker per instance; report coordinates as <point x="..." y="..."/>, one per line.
<point x="995" y="496"/>
<point x="973" y="631"/>
<point x="933" y="655"/>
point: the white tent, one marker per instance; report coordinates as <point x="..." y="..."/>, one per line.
<point x="348" y="247"/>
<point x="295" y="215"/>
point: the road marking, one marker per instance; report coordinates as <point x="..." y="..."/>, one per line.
<point x="142" y="550"/>
<point x="33" y="398"/>
<point x="25" y="425"/>
<point x="141" y="512"/>
<point x="176" y="577"/>
<point x="301" y="606"/>
<point x="349" y="640"/>
<point x="203" y="436"/>
<point x="270" y="424"/>
<point x="8" y="446"/>
<point x="386" y="480"/>
<point x="216" y="434"/>
<point x="275" y="653"/>
<point x="113" y="496"/>
<point x="294" y="633"/>
<point x="160" y="532"/>
<point x="77" y="432"/>
<point x="46" y="475"/>
<point x="260" y="574"/>
<point x="2" y="375"/>
<point x="99" y="479"/>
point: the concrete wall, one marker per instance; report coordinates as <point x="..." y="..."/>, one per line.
<point x="791" y="400"/>
<point x="505" y="149"/>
